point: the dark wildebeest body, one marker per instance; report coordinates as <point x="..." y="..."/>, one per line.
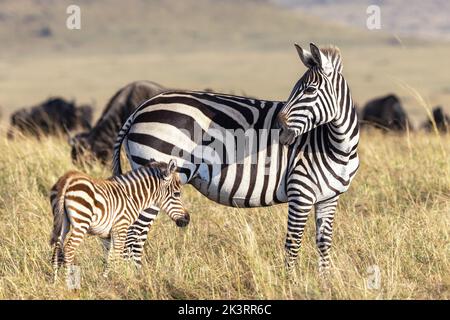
<point x="441" y="119"/>
<point x="99" y="141"/>
<point x="386" y="113"/>
<point x="52" y="117"/>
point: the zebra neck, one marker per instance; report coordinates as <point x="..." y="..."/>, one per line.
<point x="343" y="131"/>
<point x="344" y="137"/>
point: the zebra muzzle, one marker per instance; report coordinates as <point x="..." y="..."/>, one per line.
<point x="183" y="221"/>
<point x="287" y="136"/>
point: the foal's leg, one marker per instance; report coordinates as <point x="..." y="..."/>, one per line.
<point x="106" y="244"/>
<point x="58" y="252"/>
<point x="74" y="240"/>
<point x="118" y="237"/>
<point x="137" y="234"/>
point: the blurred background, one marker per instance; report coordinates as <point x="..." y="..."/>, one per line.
<point x="240" y="47"/>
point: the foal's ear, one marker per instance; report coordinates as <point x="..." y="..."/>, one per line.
<point x="171" y="166"/>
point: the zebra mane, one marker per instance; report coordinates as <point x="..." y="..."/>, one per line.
<point x="153" y="168"/>
<point x="158" y="165"/>
<point x="334" y="55"/>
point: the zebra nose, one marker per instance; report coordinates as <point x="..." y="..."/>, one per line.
<point x="184" y="220"/>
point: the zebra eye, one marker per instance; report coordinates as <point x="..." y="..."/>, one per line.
<point x="310" y="90"/>
<point x="177" y="194"/>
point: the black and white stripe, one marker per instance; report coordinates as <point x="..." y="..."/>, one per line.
<point x="305" y="150"/>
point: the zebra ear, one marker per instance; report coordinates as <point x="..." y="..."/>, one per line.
<point x="305" y="57"/>
<point x="321" y="59"/>
<point x="172" y="166"/>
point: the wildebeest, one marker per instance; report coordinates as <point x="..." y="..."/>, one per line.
<point x="441" y="119"/>
<point x="53" y="116"/>
<point x="385" y="113"/>
<point x="98" y="142"/>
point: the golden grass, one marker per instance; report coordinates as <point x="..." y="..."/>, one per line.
<point x="396" y="215"/>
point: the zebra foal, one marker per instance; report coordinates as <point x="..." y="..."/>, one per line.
<point x="107" y="208"/>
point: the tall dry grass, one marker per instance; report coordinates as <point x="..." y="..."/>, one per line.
<point x="396" y="216"/>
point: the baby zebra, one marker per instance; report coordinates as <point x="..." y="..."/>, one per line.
<point x="108" y="207"/>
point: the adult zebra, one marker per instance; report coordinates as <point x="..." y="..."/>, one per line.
<point x="314" y="163"/>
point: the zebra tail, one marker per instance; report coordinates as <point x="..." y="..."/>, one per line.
<point x="117" y="169"/>
<point x="59" y="212"/>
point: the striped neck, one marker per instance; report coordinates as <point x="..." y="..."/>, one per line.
<point x="343" y="131"/>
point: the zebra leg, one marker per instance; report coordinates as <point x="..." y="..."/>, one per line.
<point x="56" y="259"/>
<point x="299" y="210"/>
<point x="116" y="248"/>
<point x="110" y="255"/>
<point x="324" y="231"/>
<point x="58" y="256"/>
<point x="137" y="234"/>
<point x="58" y="249"/>
<point x="75" y="239"/>
<point x="106" y="244"/>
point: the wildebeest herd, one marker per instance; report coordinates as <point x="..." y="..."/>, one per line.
<point x="306" y="156"/>
<point x="387" y="113"/>
<point x="51" y="117"/>
<point x="98" y="142"/>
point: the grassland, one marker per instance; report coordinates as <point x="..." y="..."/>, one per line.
<point x="396" y="216"/>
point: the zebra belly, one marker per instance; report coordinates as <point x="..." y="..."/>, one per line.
<point x="237" y="200"/>
<point x="234" y="186"/>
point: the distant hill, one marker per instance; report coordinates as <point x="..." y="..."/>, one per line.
<point x="416" y="18"/>
<point x="30" y="27"/>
